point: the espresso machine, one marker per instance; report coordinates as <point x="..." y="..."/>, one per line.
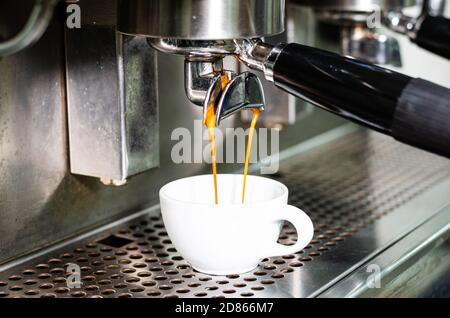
<point x="91" y="92"/>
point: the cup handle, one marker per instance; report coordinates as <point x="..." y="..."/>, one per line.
<point x="303" y="225"/>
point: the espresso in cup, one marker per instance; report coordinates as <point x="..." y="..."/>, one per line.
<point x="230" y="237"/>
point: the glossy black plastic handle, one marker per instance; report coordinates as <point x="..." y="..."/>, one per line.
<point x="412" y="110"/>
<point x="434" y="35"/>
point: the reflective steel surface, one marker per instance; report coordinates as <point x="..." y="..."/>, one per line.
<point x="201" y="19"/>
<point x="363" y="191"/>
<point x="112" y="100"/>
<point x="357" y="5"/>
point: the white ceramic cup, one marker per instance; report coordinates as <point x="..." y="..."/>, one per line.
<point x="231" y="237"/>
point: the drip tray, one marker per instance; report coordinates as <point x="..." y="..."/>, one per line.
<point x="363" y="192"/>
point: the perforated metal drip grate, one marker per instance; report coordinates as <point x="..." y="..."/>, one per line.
<point x="344" y="187"/>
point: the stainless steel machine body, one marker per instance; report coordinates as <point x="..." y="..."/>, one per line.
<point x="112" y="100"/>
<point x="82" y="101"/>
<point x="201" y="19"/>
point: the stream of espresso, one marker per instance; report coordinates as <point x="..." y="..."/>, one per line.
<point x="210" y="123"/>
<point x="255" y="117"/>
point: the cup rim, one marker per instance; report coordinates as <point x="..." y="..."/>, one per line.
<point x="212" y="204"/>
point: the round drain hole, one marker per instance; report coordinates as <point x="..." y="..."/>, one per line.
<point x="46" y="286"/>
<point x="270" y="267"/>
<point x="85" y="268"/>
<point x="128" y="270"/>
<point x="57" y="270"/>
<point x="115" y="276"/>
<point x="167" y="263"/>
<point x="31" y="292"/>
<point x="296" y="264"/>
<point x="239" y="285"/>
<point x="193" y="285"/>
<point x="201" y="294"/>
<point x="132" y="279"/>
<point x="183" y="291"/>
<point x="54" y="261"/>
<point x="257" y="288"/>
<point x="165" y="287"/>
<point x="212" y="288"/>
<point x="82" y="260"/>
<point x="62" y="290"/>
<point x="78" y="294"/>
<point x="49" y="295"/>
<point x="260" y="273"/>
<point x="104" y="282"/>
<point x="92" y="288"/>
<point x="16" y="277"/>
<point x="149" y="283"/>
<point x="183" y="266"/>
<point x="267" y="282"/>
<point x="88" y="278"/>
<point x="229" y="291"/>
<point x="151" y="260"/>
<point x="120" y="286"/>
<point x="144" y="274"/>
<point x="247" y="294"/>
<point x="30" y="282"/>
<point x="125" y="295"/>
<point x="287" y="270"/>
<point x="15" y="288"/>
<point x="137" y="289"/>
<point x="153" y="293"/>
<point x="108" y="292"/>
<point x="222" y="282"/>
<point x="250" y="279"/>
<point x="93" y="254"/>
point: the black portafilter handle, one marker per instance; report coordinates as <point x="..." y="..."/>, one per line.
<point x="433" y="34"/>
<point x="411" y="110"/>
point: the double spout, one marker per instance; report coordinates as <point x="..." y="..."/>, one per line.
<point x="206" y="80"/>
